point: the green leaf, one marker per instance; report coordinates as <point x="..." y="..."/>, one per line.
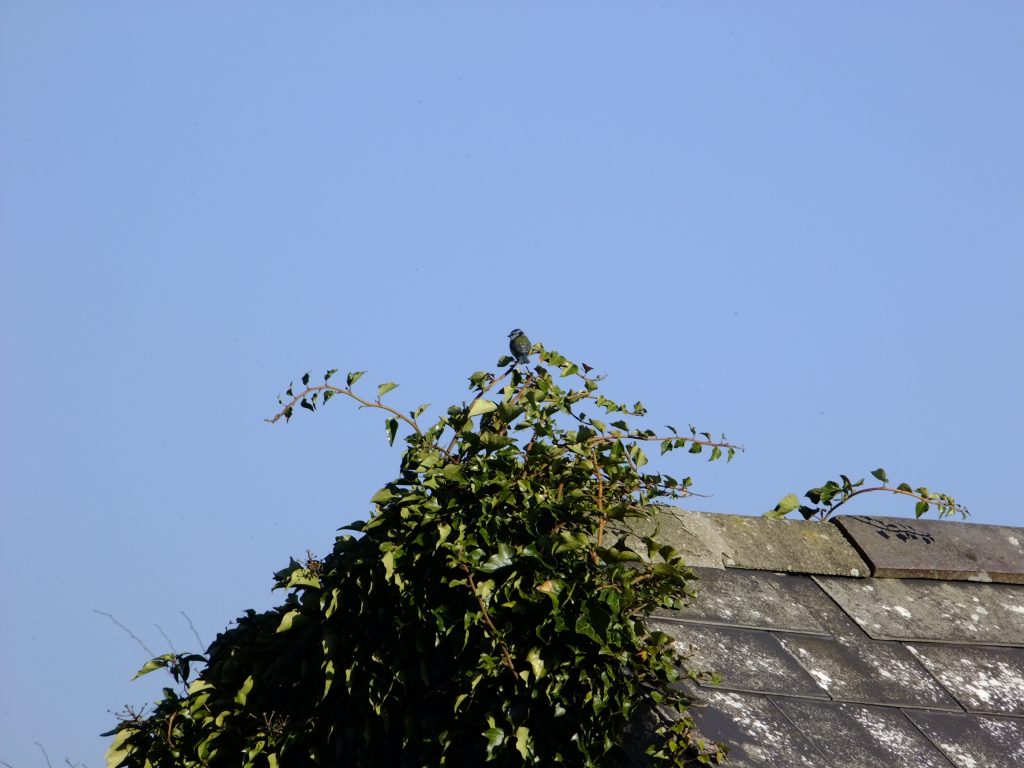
<point x="287" y="620"/>
<point x="118" y="752"/>
<point x="879" y="474"/>
<point x="383" y="389"/>
<point x="788" y="503"/>
<point x="501" y="559"/>
<point x="305" y="378"/>
<point x="382" y="496"/>
<point x="522" y="741"/>
<point x="327" y="376"/>
<point x="481" y="406"/>
<point x="160" y="662"/>
<point x="920" y="508"/>
<point x="244" y="691"/>
<point x="353" y="377"/>
<point x="536" y="662"/>
<point x="391" y="429"/>
<point x="495" y="737"/>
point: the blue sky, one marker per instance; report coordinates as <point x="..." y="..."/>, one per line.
<point x="796" y="223"/>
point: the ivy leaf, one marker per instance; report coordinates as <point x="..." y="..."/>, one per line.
<point x="481" y="406"/>
<point x="160" y="662"/>
<point x="391" y="429"/>
<point x="327" y="376"/>
<point x="501" y="559"/>
<point x="383" y="389"/>
<point x="788" y="503"/>
<point x="287" y="620"/>
<point x="879" y="474"/>
<point x="245" y="690"/>
<point x="522" y="741"/>
<point x="305" y="378"/>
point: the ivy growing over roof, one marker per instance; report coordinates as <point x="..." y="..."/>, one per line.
<point x="488" y="611"/>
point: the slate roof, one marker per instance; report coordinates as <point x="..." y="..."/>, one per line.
<point x="863" y="641"/>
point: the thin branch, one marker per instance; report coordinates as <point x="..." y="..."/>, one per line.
<point x="165" y="637"/>
<point x="897" y="491"/>
<point x="128" y="631"/>
<point x="487" y="619"/>
<point x="343" y="391"/>
<point x="600" y="497"/>
<point x="193" y="628"/>
<point x="46" y="756"/>
<point x="484" y="391"/>
<point x="663" y="438"/>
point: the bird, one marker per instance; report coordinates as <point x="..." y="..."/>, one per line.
<point x="520" y="346"/>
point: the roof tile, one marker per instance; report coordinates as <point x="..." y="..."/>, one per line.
<point x="857" y="736"/>
<point x="859" y="669"/>
<point x="758" y="599"/>
<point x="757" y="733"/>
<point x="922" y="609"/>
<point x="746" y="660"/>
<point x="972" y="741"/>
<point x="983" y="679"/>
<point x="740" y="541"/>
<point x="937" y="549"/>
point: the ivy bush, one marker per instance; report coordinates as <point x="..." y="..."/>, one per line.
<point x="489" y="611"/>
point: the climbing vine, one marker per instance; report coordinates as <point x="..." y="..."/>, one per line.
<point x="491" y="609"/>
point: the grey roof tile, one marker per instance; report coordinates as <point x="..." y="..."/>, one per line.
<point x="757" y="732"/>
<point x="922" y="609"/>
<point x="856" y="668"/>
<point x="871" y="671"/>
<point x="746" y="660"/>
<point x="857" y="736"/>
<point x="740" y="541"/>
<point x="973" y="741"/>
<point x="983" y="679"/>
<point x="937" y="549"/>
<point x="758" y="599"/>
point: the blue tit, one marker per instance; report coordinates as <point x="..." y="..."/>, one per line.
<point x="520" y="346"/>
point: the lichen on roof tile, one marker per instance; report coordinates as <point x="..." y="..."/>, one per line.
<point x="746" y="660"/>
<point x="924" y="609"/>
<point x="974" y="741"/>
<point x="858" y="736"/>
<point x="758" y="734"/>
<point x="811" y="657"/>
<point x="859" y="669"/>
<point x="983" y="679"/>
<point x="758" y="599"/>
<point x="741" y="541"/>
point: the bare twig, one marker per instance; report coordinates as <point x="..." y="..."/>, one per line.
<point x="45" y="756"/>
<point x="128" y="631"/>
<point x="165" y="637"/>
<point x="193" y="628"/>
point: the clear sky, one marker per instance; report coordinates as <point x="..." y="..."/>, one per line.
<point x="799" y="223"/>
